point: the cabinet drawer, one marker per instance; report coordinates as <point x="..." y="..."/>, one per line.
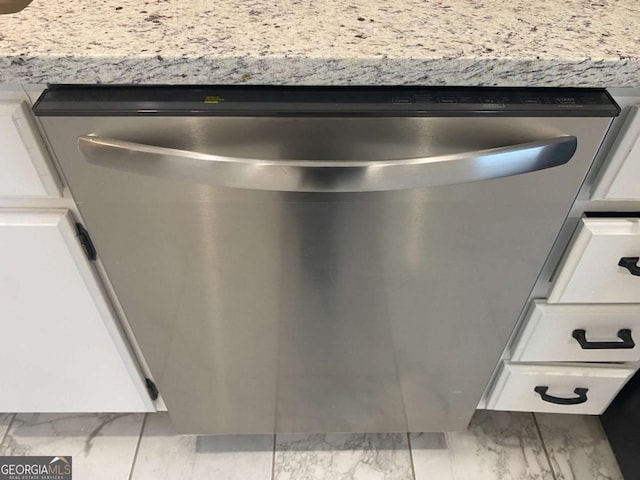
<point x="619" y="179"/>
<point x="26" y="169"/>
<point x="591" y="271"/>
<point x="579" y="333"/>
<point x="557" y="389"/>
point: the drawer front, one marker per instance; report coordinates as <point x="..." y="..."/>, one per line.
<point x="579" y="333"/>
<point x="619" y="178"/>
<point x="26" y="169"/>
<point x="592" y="271"/>
<point x="557" y="389"/>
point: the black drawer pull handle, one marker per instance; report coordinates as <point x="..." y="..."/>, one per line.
<point x="624" y="334"/>
<point x="580" y="392"/>
<point x="631" y="264"/>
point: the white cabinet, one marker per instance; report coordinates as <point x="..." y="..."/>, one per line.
<point x="594" y="269"/>
<point x="620" y="179"/>
<point x="25" y="169"/>
<point x="592" y="314"/>
<point x="61" y="350"/>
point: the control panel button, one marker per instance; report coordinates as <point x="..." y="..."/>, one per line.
<point x="565" y="100"/>
<point x="530" y="100"/>
<point x="447" y="100"/>
<point x="589" y="100"/>
<point x="423" y="98"/>
<point x="401" y="100"/>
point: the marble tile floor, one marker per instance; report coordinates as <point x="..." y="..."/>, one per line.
<point x="497" y="446"/>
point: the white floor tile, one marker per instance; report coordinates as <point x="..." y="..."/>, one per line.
<point x="577" y="447"/>
<point x="497" y="446"/>
<point x="164" y="455"/>
<point x="342" y="457"/>
<point x="102" y="445"/>
<point x="5" y="420"/>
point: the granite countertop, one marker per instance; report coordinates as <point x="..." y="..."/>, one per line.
<point x="343" y="42"/>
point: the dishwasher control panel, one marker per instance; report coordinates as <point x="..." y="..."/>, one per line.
<point x="323" y="101"/>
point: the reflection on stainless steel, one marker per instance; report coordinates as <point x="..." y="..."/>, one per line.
<point x="262" y="311"/>
<point x="328" y="175"/>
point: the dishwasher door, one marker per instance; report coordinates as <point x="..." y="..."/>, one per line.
<point x="276" y="296"/>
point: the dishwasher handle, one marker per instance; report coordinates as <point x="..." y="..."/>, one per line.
<point x="328" y="175"/>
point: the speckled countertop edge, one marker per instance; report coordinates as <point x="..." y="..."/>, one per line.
<point x="590" y="43"/>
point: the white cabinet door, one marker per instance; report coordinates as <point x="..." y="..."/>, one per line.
<point x="594" y="270"/>
<point x="61" y="348"/>
<point x="620" y="178"/>
<point x="25" y="170"/>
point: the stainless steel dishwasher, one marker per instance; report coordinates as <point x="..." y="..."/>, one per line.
<point x="323" y="259"/>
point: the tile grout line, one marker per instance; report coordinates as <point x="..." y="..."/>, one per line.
<point x="4" y="435"/>
<point x="544" y="447"/>
<point x="135" y="453"/>
<point x="413" y="468"/>
<point x="273" y="459"/>
<point x="452" y="452"/>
